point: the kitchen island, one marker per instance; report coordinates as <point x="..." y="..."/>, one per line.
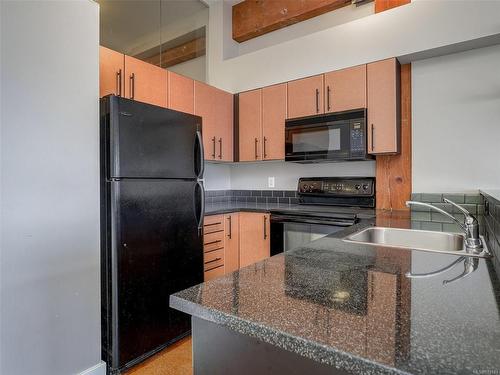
<point x="333" y="307"/>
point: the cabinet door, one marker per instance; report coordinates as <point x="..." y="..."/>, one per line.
<point x="224" y="125"/>
<point x="305" y="97"/>
<point x="180" y="93"/>
<point x="111" y="71"/>
<point x="250" y="125"/>
<point x="254" y="237"/>
<point x="145" y="82"/>
<point x="345" y="89"/>
<point x="204" y="106"/>
<point x="273" y="121"/>
<point x="231" y="242"/>
<point x="383" y="106"/>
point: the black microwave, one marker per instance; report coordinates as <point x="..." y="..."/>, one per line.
<point x="334" y="137"/>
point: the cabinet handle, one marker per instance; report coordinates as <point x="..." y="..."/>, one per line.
<point x="119" y="82"/>
<point x="328" y="97"/>
<point x="373" y="137"/>
<point x="317" y="100"/>
<point x="220" y="148"/>
<point x="213" y="260"/>
<point x="265" y="153"/>
<point x="132" y="86"/>
<point x="265" y="227"/>
<point x="212" y="242"/>
<point x="213" y="148"/>
<point x="256" y="154"/>
<point x="230" y="229"/>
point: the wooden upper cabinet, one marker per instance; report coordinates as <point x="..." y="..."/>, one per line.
<point x="345" y="89"/>
<point x="274" y="107"/>
<point x="204" y="106"/>
<point x="305" y="97"/>
<point x="111" y="71"/>
<point x="224" y="124"/>
<point x="231" y="242"/>
<point x="254" y="237"/>
<point x="145" y="82"/>
<point x="180" y="93"/>
<point x="250" y="125"/>
<point x="383" y="80"/>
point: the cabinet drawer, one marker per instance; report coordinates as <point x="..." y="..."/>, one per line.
<point x="214" y="273"/>
<point x="213" y="259"/>
<point x="213" y="241"/>
<point x="214" y="223"/>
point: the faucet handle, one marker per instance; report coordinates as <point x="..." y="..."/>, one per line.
<point x="460" y="208"/>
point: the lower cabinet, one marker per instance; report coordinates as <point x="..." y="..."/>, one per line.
<point x="213" y="247"/>
<point x="231" y="242"/>
<point x="235" y="240"/>
<point x="254" y="237"/>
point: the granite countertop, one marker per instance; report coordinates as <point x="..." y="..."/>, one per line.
<point x="493" y="193"/>
<point x="221" y="208"/>
<point x="352" y="307"/>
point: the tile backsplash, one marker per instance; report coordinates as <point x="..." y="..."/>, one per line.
<point x="251" y="196"/>
<point x="492" y="228"/>
<point x="426" y="219"/>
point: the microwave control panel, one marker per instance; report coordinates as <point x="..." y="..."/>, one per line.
<point x="358" y="139"/>
<point x="337" y="186"/>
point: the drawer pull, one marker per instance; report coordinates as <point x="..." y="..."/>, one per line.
<point x="213" y="260"/>
<point x="212" y="242"/>
<point x="216" y="223"/>
<point x="213" y="268"/>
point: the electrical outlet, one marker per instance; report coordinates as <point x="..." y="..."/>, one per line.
<point x="270" y="182"/>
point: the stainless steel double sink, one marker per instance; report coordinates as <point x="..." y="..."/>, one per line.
<point x="439" y="242"/>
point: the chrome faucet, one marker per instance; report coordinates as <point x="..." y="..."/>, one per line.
<point x="470" y="226"/>
<point x="470" y="265"/>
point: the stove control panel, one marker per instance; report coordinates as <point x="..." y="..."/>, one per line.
<point x="336" y="186"/>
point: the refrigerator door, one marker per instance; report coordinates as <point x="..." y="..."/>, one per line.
<point x="155" y="250"/>
<point x="146" y="141"/>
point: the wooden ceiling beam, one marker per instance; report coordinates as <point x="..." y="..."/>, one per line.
<point x="252" y="18"/>
<point x="382" y="5"/>
<point x="176" y="55"/>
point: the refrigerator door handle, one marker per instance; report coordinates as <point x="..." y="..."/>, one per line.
<point x="201" y="213"/>
<point x="199" y="140"/>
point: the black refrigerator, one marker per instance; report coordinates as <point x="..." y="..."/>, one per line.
<point x="152" y="207"/>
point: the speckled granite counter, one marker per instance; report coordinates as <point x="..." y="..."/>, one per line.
<point x="221" y="208"/>
<point x="353" y="308"/>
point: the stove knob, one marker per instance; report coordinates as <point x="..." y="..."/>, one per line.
<point x="365" y="187"/>
<point x="358" y="186"/>
<point x="305" y="187"/>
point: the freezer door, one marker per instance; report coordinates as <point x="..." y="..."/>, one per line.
<point x="146" y="141"/>
<point x="156" y="250"/>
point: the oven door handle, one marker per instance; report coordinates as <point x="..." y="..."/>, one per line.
<point x="309" y="220"/>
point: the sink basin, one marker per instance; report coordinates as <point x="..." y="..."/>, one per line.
<point x="441" y="242"/>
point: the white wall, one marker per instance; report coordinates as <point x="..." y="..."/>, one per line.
<point x="449" y="26"/>
<point x="50" y="303"/>
<point x="217" y="176"/>
<point x="195" y="68"/>
<point x="254" y="176"/>
<point x="456" y="129"/>
<point x="413" y="30"/>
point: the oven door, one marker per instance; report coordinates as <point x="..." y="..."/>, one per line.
<point x="292" y="231"/>
<point x="320" y="141"/>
